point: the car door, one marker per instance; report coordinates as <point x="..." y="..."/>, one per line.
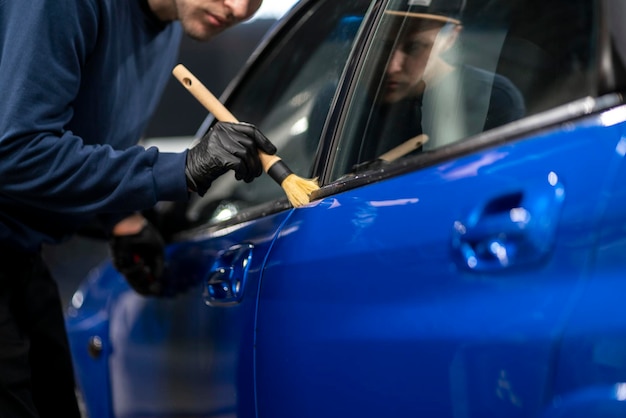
<point x="591" y="367"/>
<point x="592" y="358"/>
<point x="192" y="354"/>
<point x="440" y="284"/>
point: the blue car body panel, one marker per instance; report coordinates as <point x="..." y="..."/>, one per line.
<point x="384" y="318"/>
<point x="592" y="358"/>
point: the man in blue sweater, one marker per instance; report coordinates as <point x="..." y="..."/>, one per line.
<point x="79" y="82"/>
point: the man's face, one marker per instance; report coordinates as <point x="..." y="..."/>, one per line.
<point x="414" y="59"/>
<point x="203" y="19"/>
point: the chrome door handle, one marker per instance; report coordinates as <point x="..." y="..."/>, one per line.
<point x="511" y="230"/>
<point x="225" y="283"/>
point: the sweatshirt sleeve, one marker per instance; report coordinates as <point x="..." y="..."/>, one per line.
<point x="44" y="45"/>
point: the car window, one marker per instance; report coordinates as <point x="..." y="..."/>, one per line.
<point x="442" y="81"/>
<point x="287" y="94"/>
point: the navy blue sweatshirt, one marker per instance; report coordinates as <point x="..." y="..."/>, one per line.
<point x="79" y="80"/>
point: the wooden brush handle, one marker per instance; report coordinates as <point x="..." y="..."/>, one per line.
<point x="404" y="148"/>
<point x="214" y="106"/>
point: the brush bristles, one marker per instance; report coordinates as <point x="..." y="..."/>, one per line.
<point x="299" y="190"/>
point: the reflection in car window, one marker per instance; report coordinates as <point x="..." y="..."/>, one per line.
<point x="461" y="72"/>
<point x="288" y="95"/>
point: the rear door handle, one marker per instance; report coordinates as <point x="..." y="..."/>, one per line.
<point x="226" y="281"/>
<point x="511" y="230"/>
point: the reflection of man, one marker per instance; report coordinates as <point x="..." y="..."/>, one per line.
<point x="424" y="91"/>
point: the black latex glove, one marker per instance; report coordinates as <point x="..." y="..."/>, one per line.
<point x="227" y="146"/>
<point x="140" y="259"/>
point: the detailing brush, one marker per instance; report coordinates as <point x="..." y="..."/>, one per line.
<point x="298" y="189"/>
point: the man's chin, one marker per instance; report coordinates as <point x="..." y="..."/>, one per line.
<point x="202" y="33"/>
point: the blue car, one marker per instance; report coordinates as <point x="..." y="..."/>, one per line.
<point x="464" y="256"/>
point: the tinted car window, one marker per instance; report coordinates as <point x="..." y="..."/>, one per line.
<point x="287" y="95"/>
<point x="499" y="62"/>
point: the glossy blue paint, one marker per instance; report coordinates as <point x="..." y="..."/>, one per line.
<point x="364" y="311"/>
<point x="592" y="359"/>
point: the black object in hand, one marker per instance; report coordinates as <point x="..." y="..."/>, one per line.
<point x="140" y="259"/>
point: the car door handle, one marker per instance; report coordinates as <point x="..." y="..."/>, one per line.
<point x="225" y="282"/>
<point x="511" y="230"/>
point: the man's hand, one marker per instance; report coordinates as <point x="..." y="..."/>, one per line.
<point x="137" y="250"/>
<point x="227" y="146"/>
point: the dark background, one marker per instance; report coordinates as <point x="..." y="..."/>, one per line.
<point x="215" y="64"/>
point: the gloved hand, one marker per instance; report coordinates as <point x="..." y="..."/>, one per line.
<point x="140" y="259"/>
<point x="227" y="146"/>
